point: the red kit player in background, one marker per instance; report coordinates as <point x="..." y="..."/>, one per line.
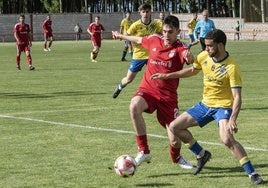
<point x="47" y="29"/>
<point x="22" y="34"/>
<point x="95" y="30"/>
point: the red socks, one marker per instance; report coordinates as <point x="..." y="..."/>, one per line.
<point x="142" y="143"/>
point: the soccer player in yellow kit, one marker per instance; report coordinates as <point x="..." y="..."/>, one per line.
<point x="125" y="24"/>
<point x="221" y="102"/>
<point x="191" y="25"/>
<point x="142" y="27"/>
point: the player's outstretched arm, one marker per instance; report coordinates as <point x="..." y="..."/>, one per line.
<point x="117" y="35"/>
<point x="184" y="73"/>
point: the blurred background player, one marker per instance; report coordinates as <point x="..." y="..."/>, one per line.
<point x="78" y="30"/>
<point x="237" y="31"/>
<point x="125" y="24"/>
<point x="22" y="34"/>
<point x="161" y="18"/>
<point x="202" y="28"/>
<point x="95" y="30"/>
<point x="47" y="29"/>
<point x="143" y="27"/>
<point x="191" y="25"/>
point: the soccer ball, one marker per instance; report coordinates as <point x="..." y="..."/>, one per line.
<point x="125" y="166"/>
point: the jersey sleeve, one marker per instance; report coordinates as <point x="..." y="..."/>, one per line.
<point x="122" y="24"/>
<point x="131" y="29"/>
<point x="199" y="59"/>
<point x="90" y="27"/>
<point x="44" y="25"/>
<point x="15" y="29"/>
<point x="146" y="42"/>
<point x="159" y="26"/>
<point x="182" y="51"/>
<point x="235" y="76"/>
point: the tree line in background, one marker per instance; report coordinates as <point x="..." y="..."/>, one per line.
<point x="217" y="8"/>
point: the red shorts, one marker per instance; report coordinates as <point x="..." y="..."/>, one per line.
<point x="166" y="111"/>
<point x="48" y="34"/>
<point x="96" y="41"/>
<point x="23" y="47"/>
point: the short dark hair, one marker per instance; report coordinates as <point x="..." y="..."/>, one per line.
<point x="172" y="21"/>
<point x="145" y="6"/>
<point x="128" y="11"/>
<point x="217" y="36"/>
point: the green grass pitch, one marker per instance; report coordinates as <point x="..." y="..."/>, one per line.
<point x="60" y="126"/>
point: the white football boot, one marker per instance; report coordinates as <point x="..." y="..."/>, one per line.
<point x="184" y="163"/>
<point x="142" y="157"/>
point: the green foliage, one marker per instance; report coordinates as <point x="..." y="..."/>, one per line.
<point x="52" y="6"/>
<point x="60" y="126"/>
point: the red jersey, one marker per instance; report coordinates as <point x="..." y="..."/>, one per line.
<point x="22" y="31"/>
<point x="164" y="60"/>
<point x="96" y="30"/>
<point x="47" y="26"/>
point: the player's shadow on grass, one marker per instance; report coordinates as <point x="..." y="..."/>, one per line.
<point x="255" y="108"/>
<point x="16" y="95"/>
<point x="154" y="184"/>
<point x="208" y="171"/>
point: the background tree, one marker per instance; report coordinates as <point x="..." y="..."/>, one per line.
<point x="256" y="10"/>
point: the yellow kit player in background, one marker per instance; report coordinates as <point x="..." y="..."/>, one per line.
<point x="191" y="25"/>
<point x="142" y="27"/>
<point x="124" y="26"/>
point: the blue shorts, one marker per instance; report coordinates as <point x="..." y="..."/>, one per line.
<point x="127" y="42"/>
<point x="204" y="114"/>
<point x="191" y="36"/>
<point x="137" y="64"/>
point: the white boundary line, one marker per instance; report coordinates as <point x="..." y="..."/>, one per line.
<point x="110" y="130"/>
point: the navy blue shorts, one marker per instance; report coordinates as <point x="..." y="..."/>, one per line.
<point x="204" y="114"/>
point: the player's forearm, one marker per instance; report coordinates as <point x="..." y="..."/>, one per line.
<point x="89" y="31"/>
<point x="184" y="73"/>
<point x="195" y="33"/>
<point x="127" y="37"/>
<point x="236" y="103"/>
<point x="29" y="38"/>
<point x="132" y="38"/>
<point x="121" y="30"/>
<point x="16" y="37"/>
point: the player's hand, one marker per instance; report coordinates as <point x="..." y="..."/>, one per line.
<point x="233" y="126"/>
<point x="30" y="44"/>
<point x="20" y="44"/>
<point x="159" y="76"/>
<point x="189" y="57"/>
<point x="115" y="34"/>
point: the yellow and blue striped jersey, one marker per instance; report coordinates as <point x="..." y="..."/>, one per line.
<point x="140" y="29"/>
<point x="218" y="79"/>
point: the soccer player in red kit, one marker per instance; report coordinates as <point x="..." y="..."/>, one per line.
<point x="47" y="29"/>
<point x="95" y="30"/>
<point x="166" y="54"/>
<point x="22" y="34"/>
